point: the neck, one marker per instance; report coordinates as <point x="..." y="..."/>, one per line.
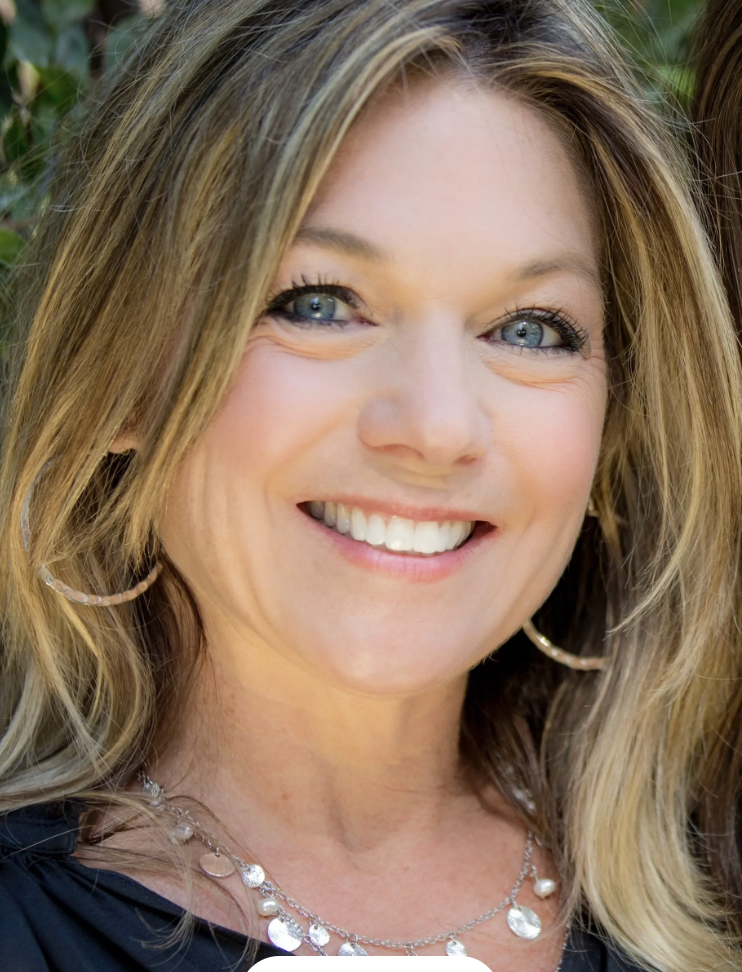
<point x="334" y="793"/>
<point x="294" y="754"/>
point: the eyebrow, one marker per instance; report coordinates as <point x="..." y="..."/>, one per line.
<point x="566" y="263"/>
<point x="334" y="239"/>
<point x="357" y="246"/>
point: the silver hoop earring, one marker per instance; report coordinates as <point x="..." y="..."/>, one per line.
<point x="576" y="662"/>
<point x="79" y="597"/>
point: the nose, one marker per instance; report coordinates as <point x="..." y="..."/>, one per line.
<point x="426" y="406"/>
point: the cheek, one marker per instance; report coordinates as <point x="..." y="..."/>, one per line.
<point x="548" y="441"/>
<point x="565" y="444"/>
<point x="250" y="466"/>
<point x="280" y="405"/>
<point x="553" y="436"/>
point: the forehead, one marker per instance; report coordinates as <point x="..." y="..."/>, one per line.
<point x="461" y="176"/>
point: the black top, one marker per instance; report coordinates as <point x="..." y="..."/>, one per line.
<point x="56" y="915"/>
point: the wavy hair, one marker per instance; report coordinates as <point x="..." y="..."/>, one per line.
<point x="717" y="144"/>
<point x="183" y="188"/>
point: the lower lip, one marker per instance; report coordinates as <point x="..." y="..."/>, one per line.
<point x="434" y="567"/>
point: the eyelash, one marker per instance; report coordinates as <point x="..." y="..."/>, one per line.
<point x="277" y="302"/>
<point x="574" y="336"/>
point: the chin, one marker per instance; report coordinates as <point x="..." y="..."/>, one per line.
<point x="382" y="665"/>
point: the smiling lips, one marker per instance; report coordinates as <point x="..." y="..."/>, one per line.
<point x="393" y="533"/>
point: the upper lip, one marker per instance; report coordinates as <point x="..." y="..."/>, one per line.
<point x="421" y="514"/>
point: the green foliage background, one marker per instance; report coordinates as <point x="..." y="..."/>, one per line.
<point x="53" y="52"/>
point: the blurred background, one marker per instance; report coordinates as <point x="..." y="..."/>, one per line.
<point x="54" y="52"/>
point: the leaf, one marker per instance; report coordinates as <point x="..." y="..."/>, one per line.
<point x="8" y="83"/>
<point x="6" y="99"/>
<point x="61" y="14"/>
<point x="31" y="164"/>
<point x="60" y="89"/>
<point x="31" y="202"/>
<point x="11" y="246"/>
<point x="6" y="92"/>
<point x="29" y="80"/>
<point x="15" y="141"/>
<point x="674" y="13"/>
<point x="72" y="51"/>
<point x="43" y="124"/>
<point x="679" y="79"/>
<point x="10" y="195"/>
<point x="30" y="39"/>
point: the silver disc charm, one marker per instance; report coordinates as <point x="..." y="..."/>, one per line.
<point x="285" y="933"/>
<point x="253" y="875"/>
<point x="523" y="922"/>
<point x="216" y="865"/>
<point x="352" y="948"/>
<point x="318" y="935"/>
<point x="454" y="947"/>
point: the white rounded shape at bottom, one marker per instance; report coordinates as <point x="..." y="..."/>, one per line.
<point x="523" y="922"/>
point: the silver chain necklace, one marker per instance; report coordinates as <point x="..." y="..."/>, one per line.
<point x="288" y="934"/>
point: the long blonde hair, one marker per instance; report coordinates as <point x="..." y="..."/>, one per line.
<point x="185" y="185"/>
<point x="716" y="49"/>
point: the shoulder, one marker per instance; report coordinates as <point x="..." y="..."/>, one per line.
<point x="587" y="952"/>
<point x="33" y="842"/>
<point x="56" y="915"/>
<point x="45" y="829"/>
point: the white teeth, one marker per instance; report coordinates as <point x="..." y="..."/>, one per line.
<point x="397" y="534"/>
<point x="343" y="519"/>
<point x="357" y="524"/>
<point x="375" y="531"/>
<point x="444" y="537"/>
<point x="458" y="532"/>
<point x="426" y="538"/>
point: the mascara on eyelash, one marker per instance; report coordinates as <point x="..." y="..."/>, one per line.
<point x="279" y="301"/>
<point x="570" y="331"/>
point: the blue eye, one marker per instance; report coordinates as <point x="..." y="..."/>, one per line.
<point x="316" y="307"/>
<point x="319" y="304"/>
<point x="529" y="332"/>
<point x="526" y="334"/>
<point x="538" y="329"/>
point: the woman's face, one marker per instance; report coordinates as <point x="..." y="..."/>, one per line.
<point x="430" y="368"/>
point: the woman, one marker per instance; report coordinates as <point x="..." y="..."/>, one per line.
<point x="361" y="334"/>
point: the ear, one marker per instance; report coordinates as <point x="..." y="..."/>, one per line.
<point x="126" y="441"/>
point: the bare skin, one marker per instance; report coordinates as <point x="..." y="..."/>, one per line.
<point x="323" y="730"/>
